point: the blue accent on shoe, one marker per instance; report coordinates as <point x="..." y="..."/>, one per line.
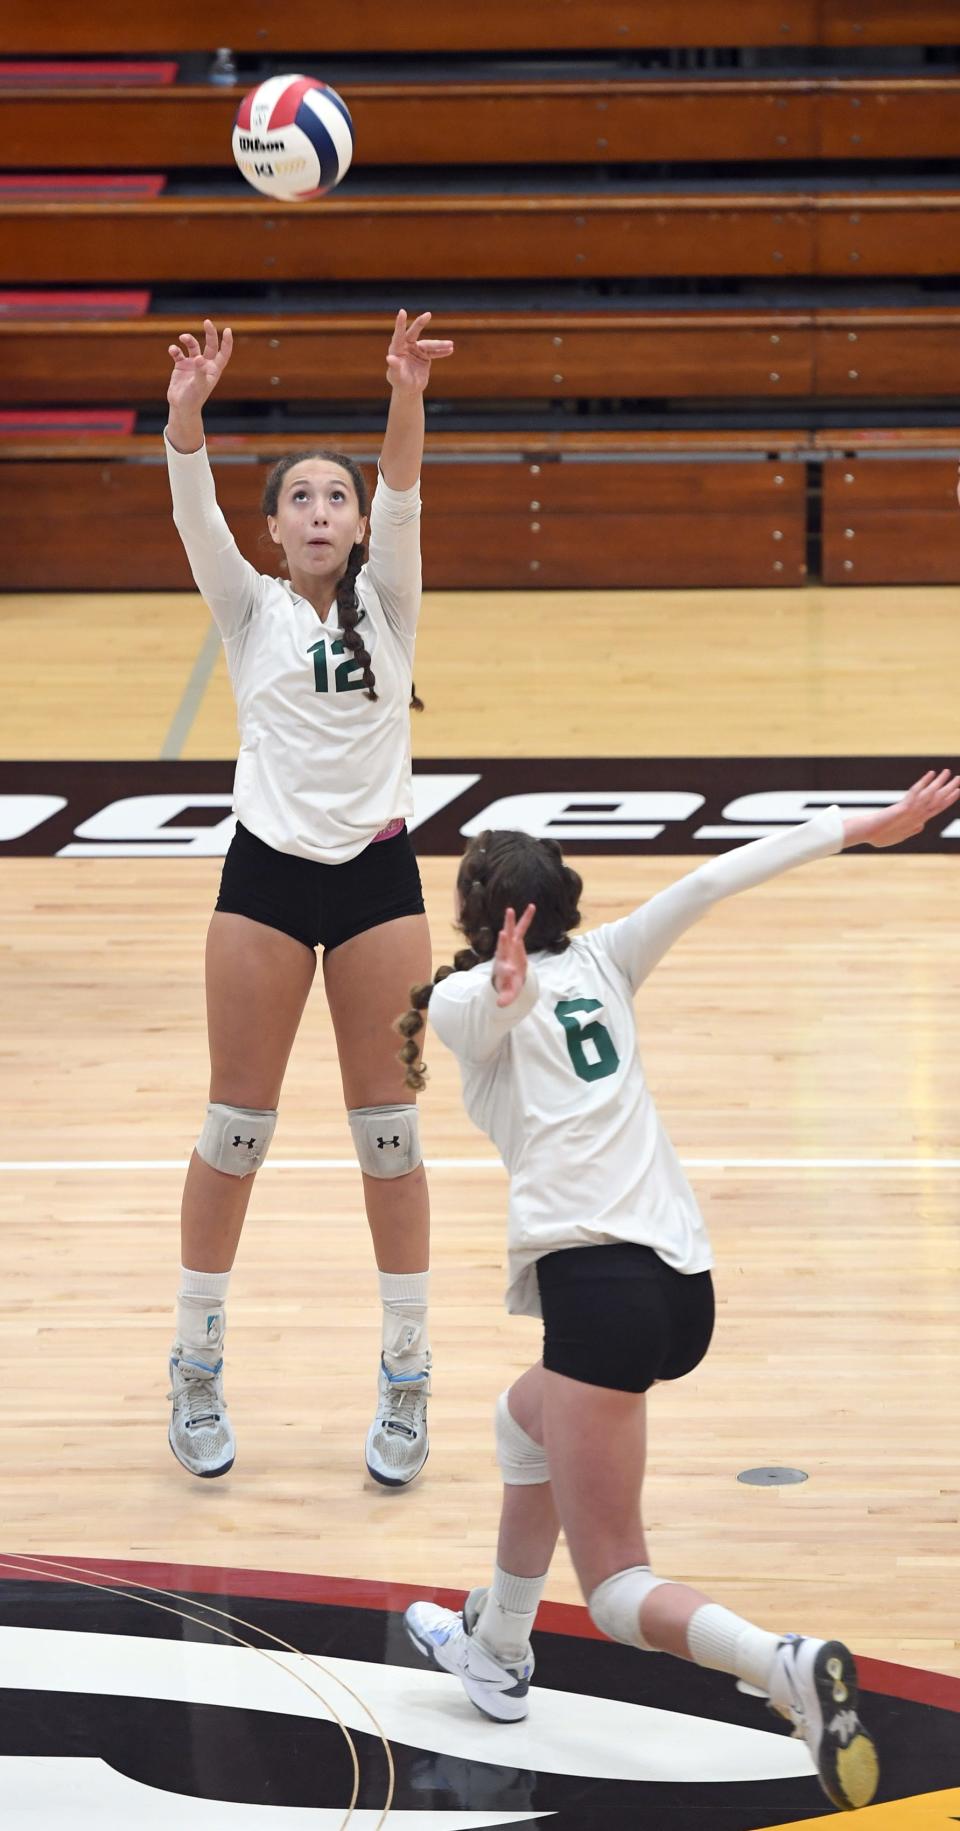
<point x="187" y="1360"/>
<point x="403" y="1379"/>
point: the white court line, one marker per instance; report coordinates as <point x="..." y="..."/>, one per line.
<point x="66" y="1165"/>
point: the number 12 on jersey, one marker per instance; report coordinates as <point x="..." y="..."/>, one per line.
<point x="342" y="682"/>
<point x="590" y="1046"/>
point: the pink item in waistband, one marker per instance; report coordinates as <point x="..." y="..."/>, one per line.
<point x="388" y="832"/>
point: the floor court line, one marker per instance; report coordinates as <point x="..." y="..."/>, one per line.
<point x="77" y="1165"/>
<point x="192" y="697"/>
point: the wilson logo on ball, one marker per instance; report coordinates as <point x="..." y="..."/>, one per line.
<point x="301" y="134"/>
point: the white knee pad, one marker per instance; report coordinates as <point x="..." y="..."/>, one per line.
<point x="523" y="1463"/>
<point x="235" y="1139"/>
<point x="386" y="1139"/>
<point x="616" y="1603"/>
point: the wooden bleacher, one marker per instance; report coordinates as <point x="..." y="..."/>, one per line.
<point x="783" y="265"/>
<point x="442" y="123"/>
<point x="890" y="506"/>
<point x="501" y="511"/>
<point x="535" y="356"/>
<point x="668" y="509"/>
<point x="526" y="236"/>
<point x="112" y="26"/>
<point x="514" y="355"/>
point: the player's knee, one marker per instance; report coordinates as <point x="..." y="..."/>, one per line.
<point x="235" y="1139"/>
<point x="386" y="1139"/>
<point x="615" y="1604"/>
<point x="523" y="1462"/>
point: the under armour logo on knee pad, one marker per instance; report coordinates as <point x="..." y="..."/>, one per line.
<point x="249" y="1142"/>
<point x="386" y="1139"/>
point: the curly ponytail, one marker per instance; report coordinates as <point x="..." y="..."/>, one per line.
<point x="499" y="870"/>
<point x="413" y="1021"/>
<point x="349" y="611"/>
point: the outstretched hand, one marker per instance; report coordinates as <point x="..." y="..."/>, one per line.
<point x="887" y="826"/>
<point x="510" y="959"/>
<point x="410" y="355"/>
<point x="197" y="368"/>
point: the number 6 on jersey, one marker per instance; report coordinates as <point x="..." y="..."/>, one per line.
<point x="605" y="1060"/>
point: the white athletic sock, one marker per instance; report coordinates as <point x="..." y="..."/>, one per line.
<point x="508" y="1614"/>
<point x="726" y="1643"/>
<point x="201" y="1317"/>
<point x="406" y="1344"/>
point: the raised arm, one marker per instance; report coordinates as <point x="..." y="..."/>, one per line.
<point x="640" y="940"/>
<point x="409" y="360"/>
<point x="223" y="577"/>
<point x="473" y="1012"/>
<point x="394" y="563"/>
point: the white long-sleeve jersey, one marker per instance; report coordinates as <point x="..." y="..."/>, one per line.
<point x="555" y="1079"/>
<point x="321" y="768"/>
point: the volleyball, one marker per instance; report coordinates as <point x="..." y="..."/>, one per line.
<point x="293" y="137"/>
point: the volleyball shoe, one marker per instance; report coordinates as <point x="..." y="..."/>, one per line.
<point x="201" y="1435"/>
<point x="813" y="1683"/>
<point x="447" y="1640"/>
<point x="397" y="1443"/>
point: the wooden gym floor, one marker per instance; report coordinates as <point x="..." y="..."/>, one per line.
<point x="816" y="1019"/>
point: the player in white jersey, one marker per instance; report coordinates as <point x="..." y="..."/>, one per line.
<point x="606" y="1242"/>
<point x="321" y="667"/>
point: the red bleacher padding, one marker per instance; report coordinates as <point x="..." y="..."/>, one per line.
<point x="31" y="186"/>
<point x="85" y="75"/>
<point x="65" y="425"/>
<point x="33" y="305"/>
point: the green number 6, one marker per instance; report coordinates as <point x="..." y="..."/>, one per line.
<point x="605" y="1059"/>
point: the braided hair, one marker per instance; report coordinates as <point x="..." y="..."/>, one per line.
<point x="500" y="870"/>
<point x="349" y="610"/>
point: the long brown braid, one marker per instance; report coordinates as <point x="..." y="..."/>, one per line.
<point x="349" y="610"/>
<point x="500" y="870"/>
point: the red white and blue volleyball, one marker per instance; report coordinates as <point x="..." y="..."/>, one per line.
<point x="293" y="138"/>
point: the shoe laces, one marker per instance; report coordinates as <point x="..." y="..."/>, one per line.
<point x="199" y="1396"/>
<point x="401" y="1411"/>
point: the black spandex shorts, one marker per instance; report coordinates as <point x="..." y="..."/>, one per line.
<point x="320" y="905"/>
<point x="617" y="1316"/>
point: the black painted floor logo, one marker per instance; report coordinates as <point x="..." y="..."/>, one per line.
<point x="692" y="805"/>
<point x="267" y="1703"/>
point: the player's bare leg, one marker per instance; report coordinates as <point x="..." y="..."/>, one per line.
<point x="368" y="980"/>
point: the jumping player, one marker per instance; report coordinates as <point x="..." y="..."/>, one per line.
<point x="321" y="666"/>
<point x="607" y="1244"/>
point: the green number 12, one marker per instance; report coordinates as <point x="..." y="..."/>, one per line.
<point x="342" y="682"/>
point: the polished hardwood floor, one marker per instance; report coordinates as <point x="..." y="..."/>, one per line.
<point x="801" y="1043"/>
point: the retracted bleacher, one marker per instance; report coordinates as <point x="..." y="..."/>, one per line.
<point x="702" y="266"/>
